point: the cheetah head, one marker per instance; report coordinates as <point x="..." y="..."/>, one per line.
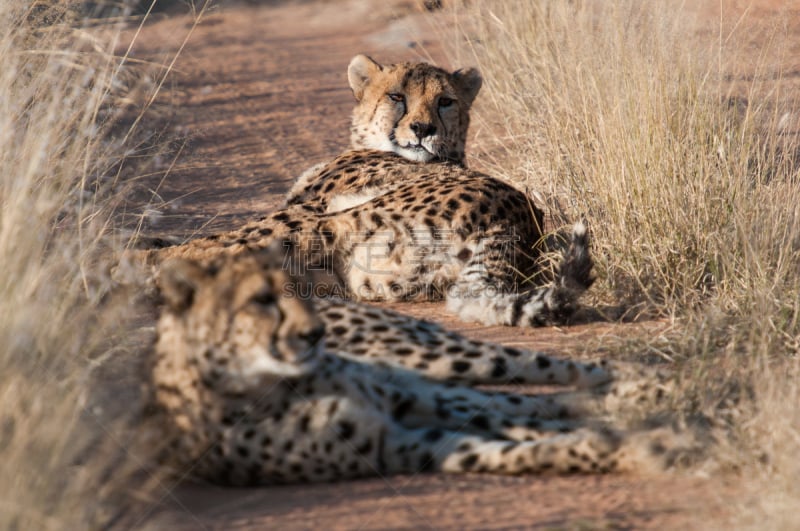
<point x="416" y="110"/>
<point x="240" y="323"/>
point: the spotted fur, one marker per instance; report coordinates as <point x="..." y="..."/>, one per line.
<point x="256" y="386"/>
<point x="432" y="231"/>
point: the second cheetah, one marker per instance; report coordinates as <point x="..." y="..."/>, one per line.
<point x="387" y="225"/>
<point x="257" y="387"/>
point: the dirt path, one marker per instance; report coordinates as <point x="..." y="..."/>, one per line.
<point x="261" y="94"/>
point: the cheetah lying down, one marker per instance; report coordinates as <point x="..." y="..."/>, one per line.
<point x="401" y="218"/>
<point x="258" y="386"/>
<point x="444" y="233"/>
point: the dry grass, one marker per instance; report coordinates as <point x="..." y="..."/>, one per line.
<point x="688" y="175"/>
<point x="612" y="112"/>
<point x="67" y="462"/>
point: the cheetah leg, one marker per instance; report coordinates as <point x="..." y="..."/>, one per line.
<point x="528" y="418"/>
<point x="415" y="401"/>
<point x="634" y="388"/>
<point x="362" y="332"/>
<point x="478" y="296"/>
<point x="497" y="414"/>
<point x="419" y="450"/>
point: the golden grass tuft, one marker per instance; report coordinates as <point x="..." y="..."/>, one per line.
<point x="615" y="112"/>
<point x="636" y="116"/>
<point x="69" y="460"/>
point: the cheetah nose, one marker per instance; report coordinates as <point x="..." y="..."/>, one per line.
<point x="422" y="129"/>
<point x="313" y="336"/>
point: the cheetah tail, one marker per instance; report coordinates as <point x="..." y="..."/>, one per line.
<point x="575" y="270"/>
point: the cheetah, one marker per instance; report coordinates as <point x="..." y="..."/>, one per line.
<point x="257" y="386"/>
<point x="471" y="248"/>
<point x="415" y="110"/>
<point x="402" y="219"/>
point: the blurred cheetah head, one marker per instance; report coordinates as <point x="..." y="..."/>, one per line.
<point x="238" y="323"/>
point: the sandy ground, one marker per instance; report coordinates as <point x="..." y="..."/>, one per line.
<point x="260" y="93"/>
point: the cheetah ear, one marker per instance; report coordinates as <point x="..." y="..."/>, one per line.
<point x="468" y="81"/>
<point x="362" y="68"/>
<point x="179" y="280"/>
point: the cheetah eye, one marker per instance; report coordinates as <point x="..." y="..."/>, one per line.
<point x="446" y="102"/>
<point x="264" y="298"/>
<point x="397" y="97"/>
